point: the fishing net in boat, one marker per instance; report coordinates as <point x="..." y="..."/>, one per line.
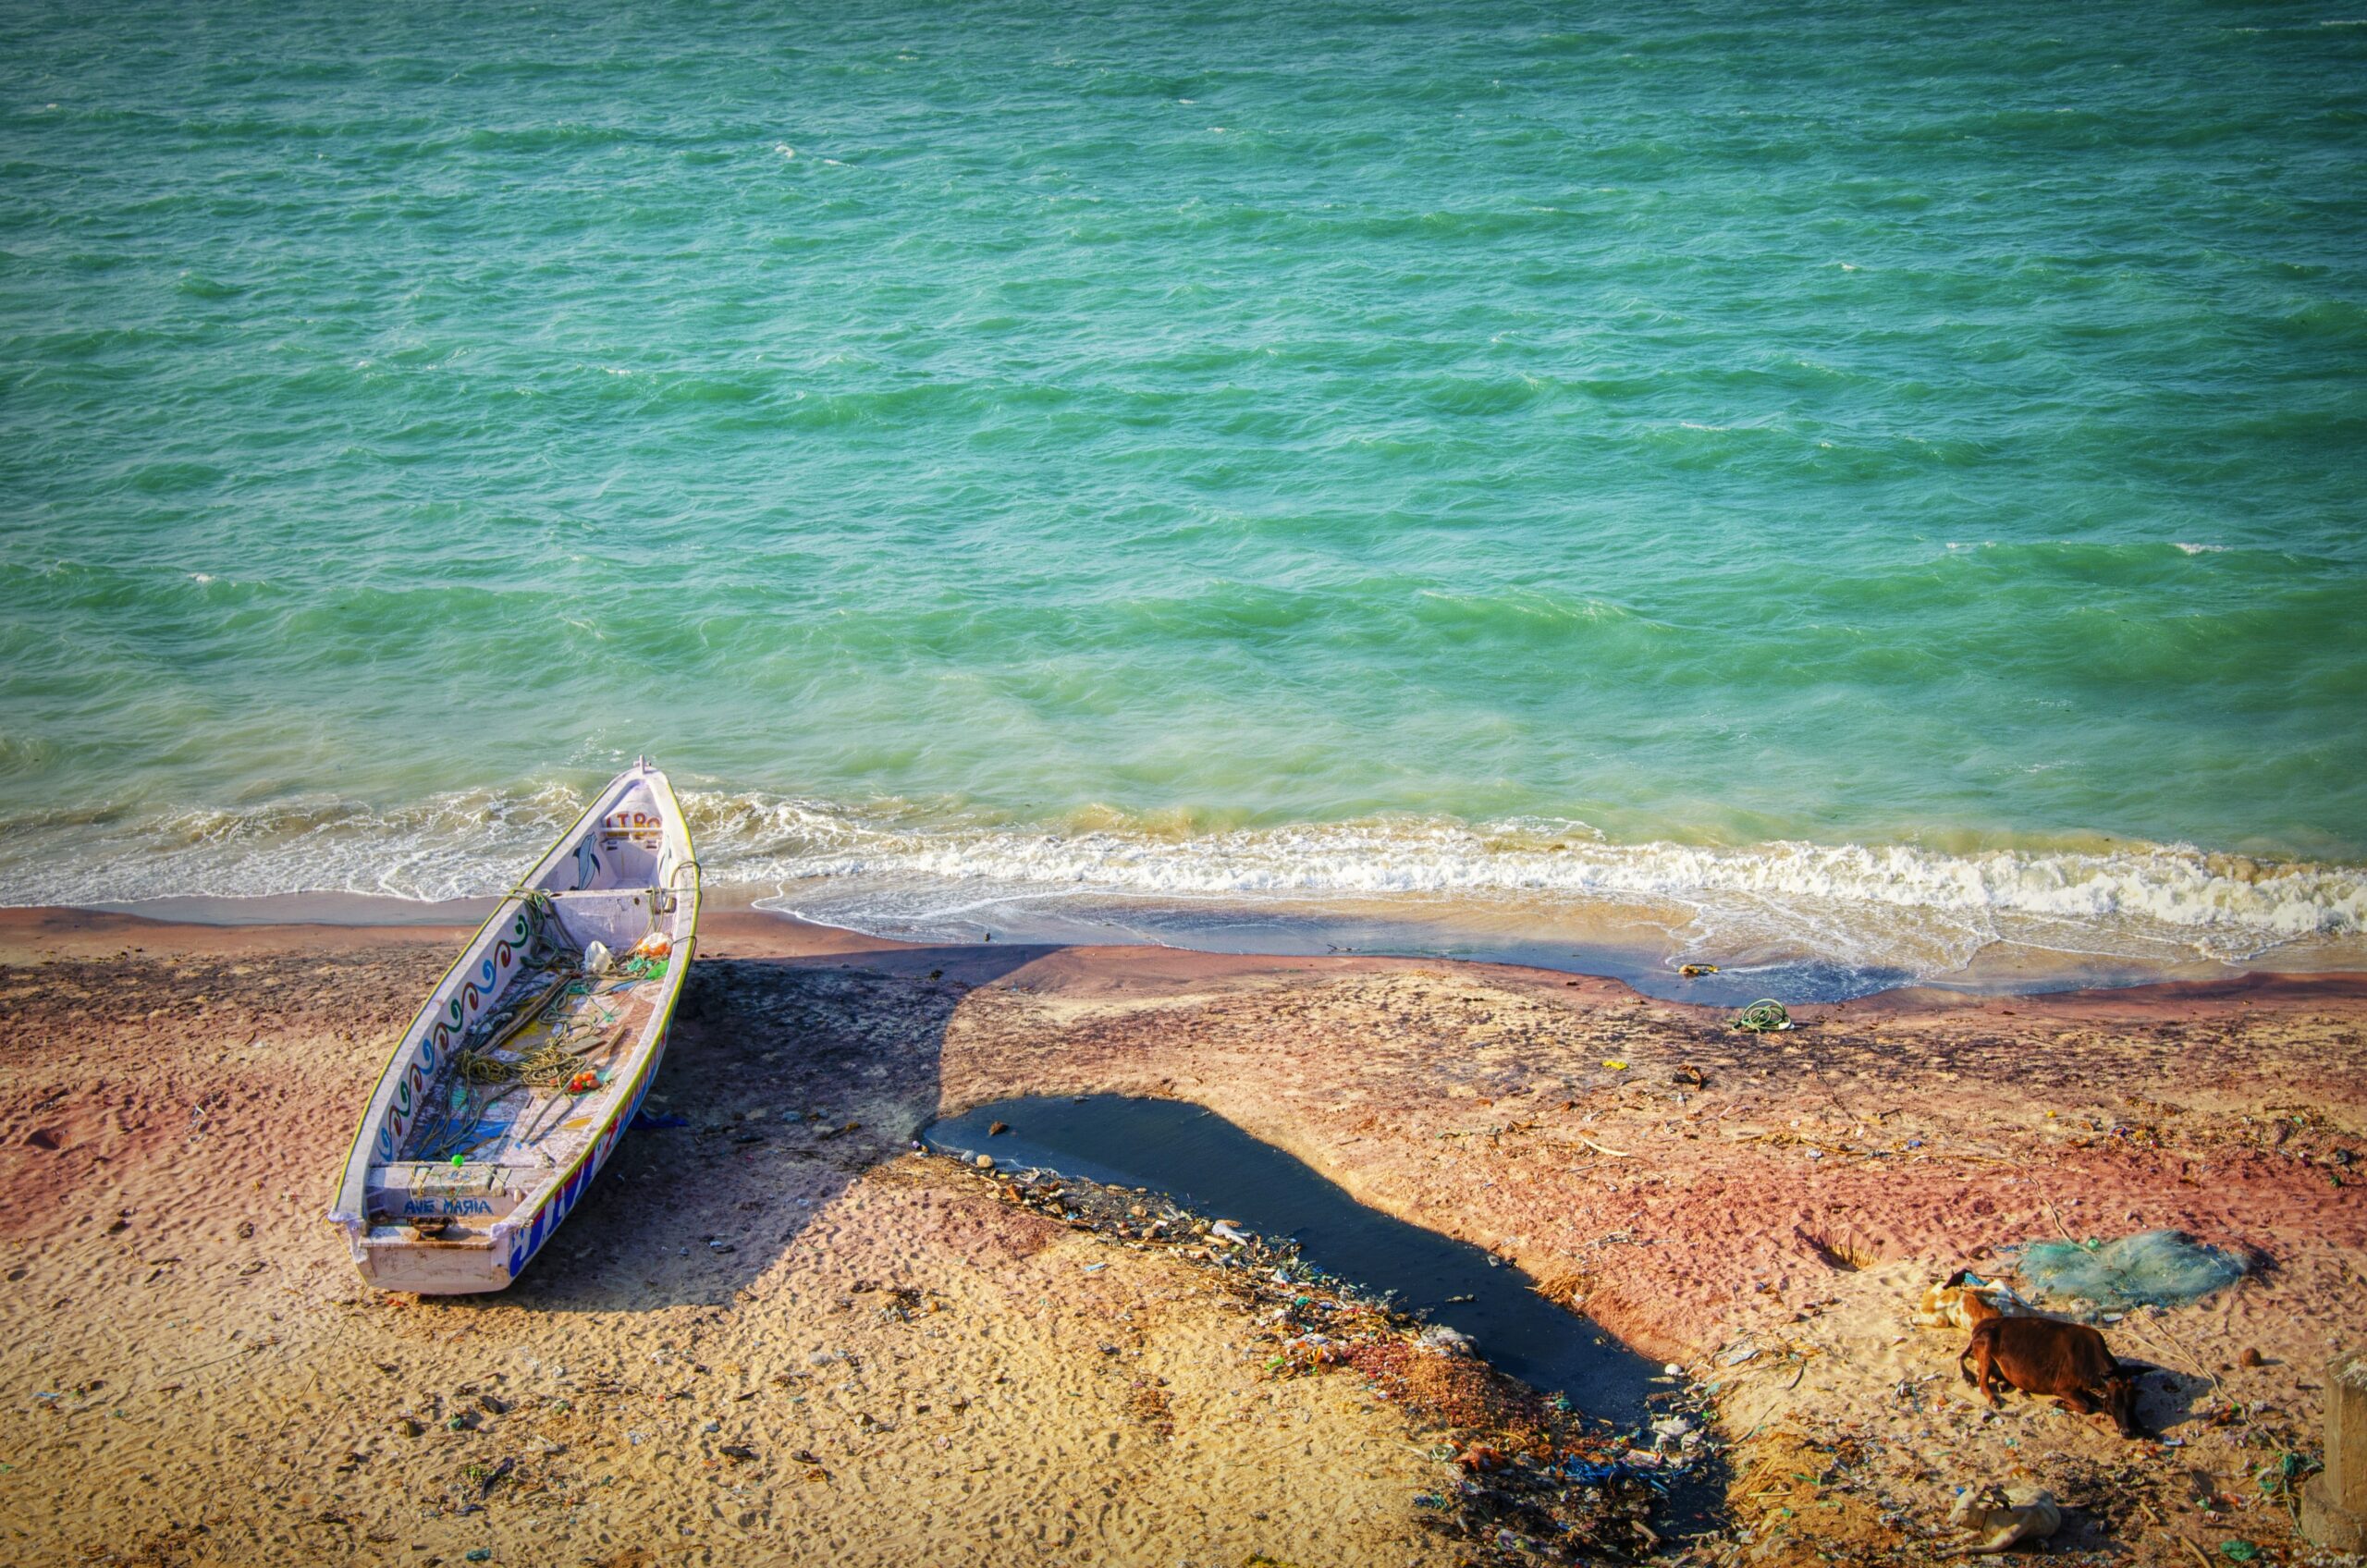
<point x="577" y="996"/>
<point x="2153" y="1269"/>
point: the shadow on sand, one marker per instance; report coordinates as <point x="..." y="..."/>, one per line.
<point x="790" y="1077"/>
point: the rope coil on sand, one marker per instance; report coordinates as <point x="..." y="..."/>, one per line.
<point x="1765" y="1016"/>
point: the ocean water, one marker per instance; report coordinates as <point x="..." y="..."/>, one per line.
<point x="1865" y="481"/>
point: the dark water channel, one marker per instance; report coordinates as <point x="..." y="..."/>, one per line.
<point x="1205" y="1163"/>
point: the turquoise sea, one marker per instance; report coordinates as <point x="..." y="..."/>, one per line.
<point x="1882" y="482"/>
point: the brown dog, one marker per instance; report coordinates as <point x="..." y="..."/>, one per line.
<point x="2064" y="1360"/>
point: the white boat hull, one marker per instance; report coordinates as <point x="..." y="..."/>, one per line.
<point x="422" y="1207"/>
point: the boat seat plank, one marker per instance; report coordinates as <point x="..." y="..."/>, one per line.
<point x="617" y="916"/>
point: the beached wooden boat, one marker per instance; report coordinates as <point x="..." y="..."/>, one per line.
<point x="514" y="1084"/>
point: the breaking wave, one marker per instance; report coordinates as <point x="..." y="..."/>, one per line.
<point x="905" y="869"/>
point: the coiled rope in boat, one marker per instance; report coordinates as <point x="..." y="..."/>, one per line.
<point x="546" y="1066"/>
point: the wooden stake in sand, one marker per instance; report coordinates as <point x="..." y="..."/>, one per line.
<point x="2333" y="1503"/>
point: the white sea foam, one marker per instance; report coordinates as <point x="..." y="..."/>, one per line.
<point x="898" y="867"/>
<point x="2225" y="903"/>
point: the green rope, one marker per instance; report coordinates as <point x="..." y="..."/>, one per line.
<point x="547" y="939"/>
<point x="465" y="1115"/>
<point x="1765" y="1016"/>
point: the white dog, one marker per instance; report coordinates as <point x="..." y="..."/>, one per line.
<point x="2005" y="1516"/>
<point x="1965" y="1298"/>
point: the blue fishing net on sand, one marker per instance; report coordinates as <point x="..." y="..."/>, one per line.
<point x="2153" y="1268"/>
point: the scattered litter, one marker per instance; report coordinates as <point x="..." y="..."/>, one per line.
<point x="1594" y="1472"/>
<point x="1693" y="970"/>
<point x="1614" y="1064"/>
<point x="1444" y="1341"/>
<point x="2153" y="1269"/>
<point x="1765" y="1016"/>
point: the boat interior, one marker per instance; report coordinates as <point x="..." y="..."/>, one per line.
<point x="533" y="1076"/>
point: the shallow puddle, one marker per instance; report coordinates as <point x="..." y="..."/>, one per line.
<point x="1206" y="1164"/>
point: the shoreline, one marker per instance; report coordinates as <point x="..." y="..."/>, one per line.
<point x="1759" y="1209"/>
<point x="1606" y="945"/>
<point x="29" y="931"/>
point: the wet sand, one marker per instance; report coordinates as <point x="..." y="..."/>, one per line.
<point x="773" y="1335"/>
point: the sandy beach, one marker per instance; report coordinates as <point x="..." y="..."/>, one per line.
<point x="776" y="1333"/>
<point x="987" y="567"/>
